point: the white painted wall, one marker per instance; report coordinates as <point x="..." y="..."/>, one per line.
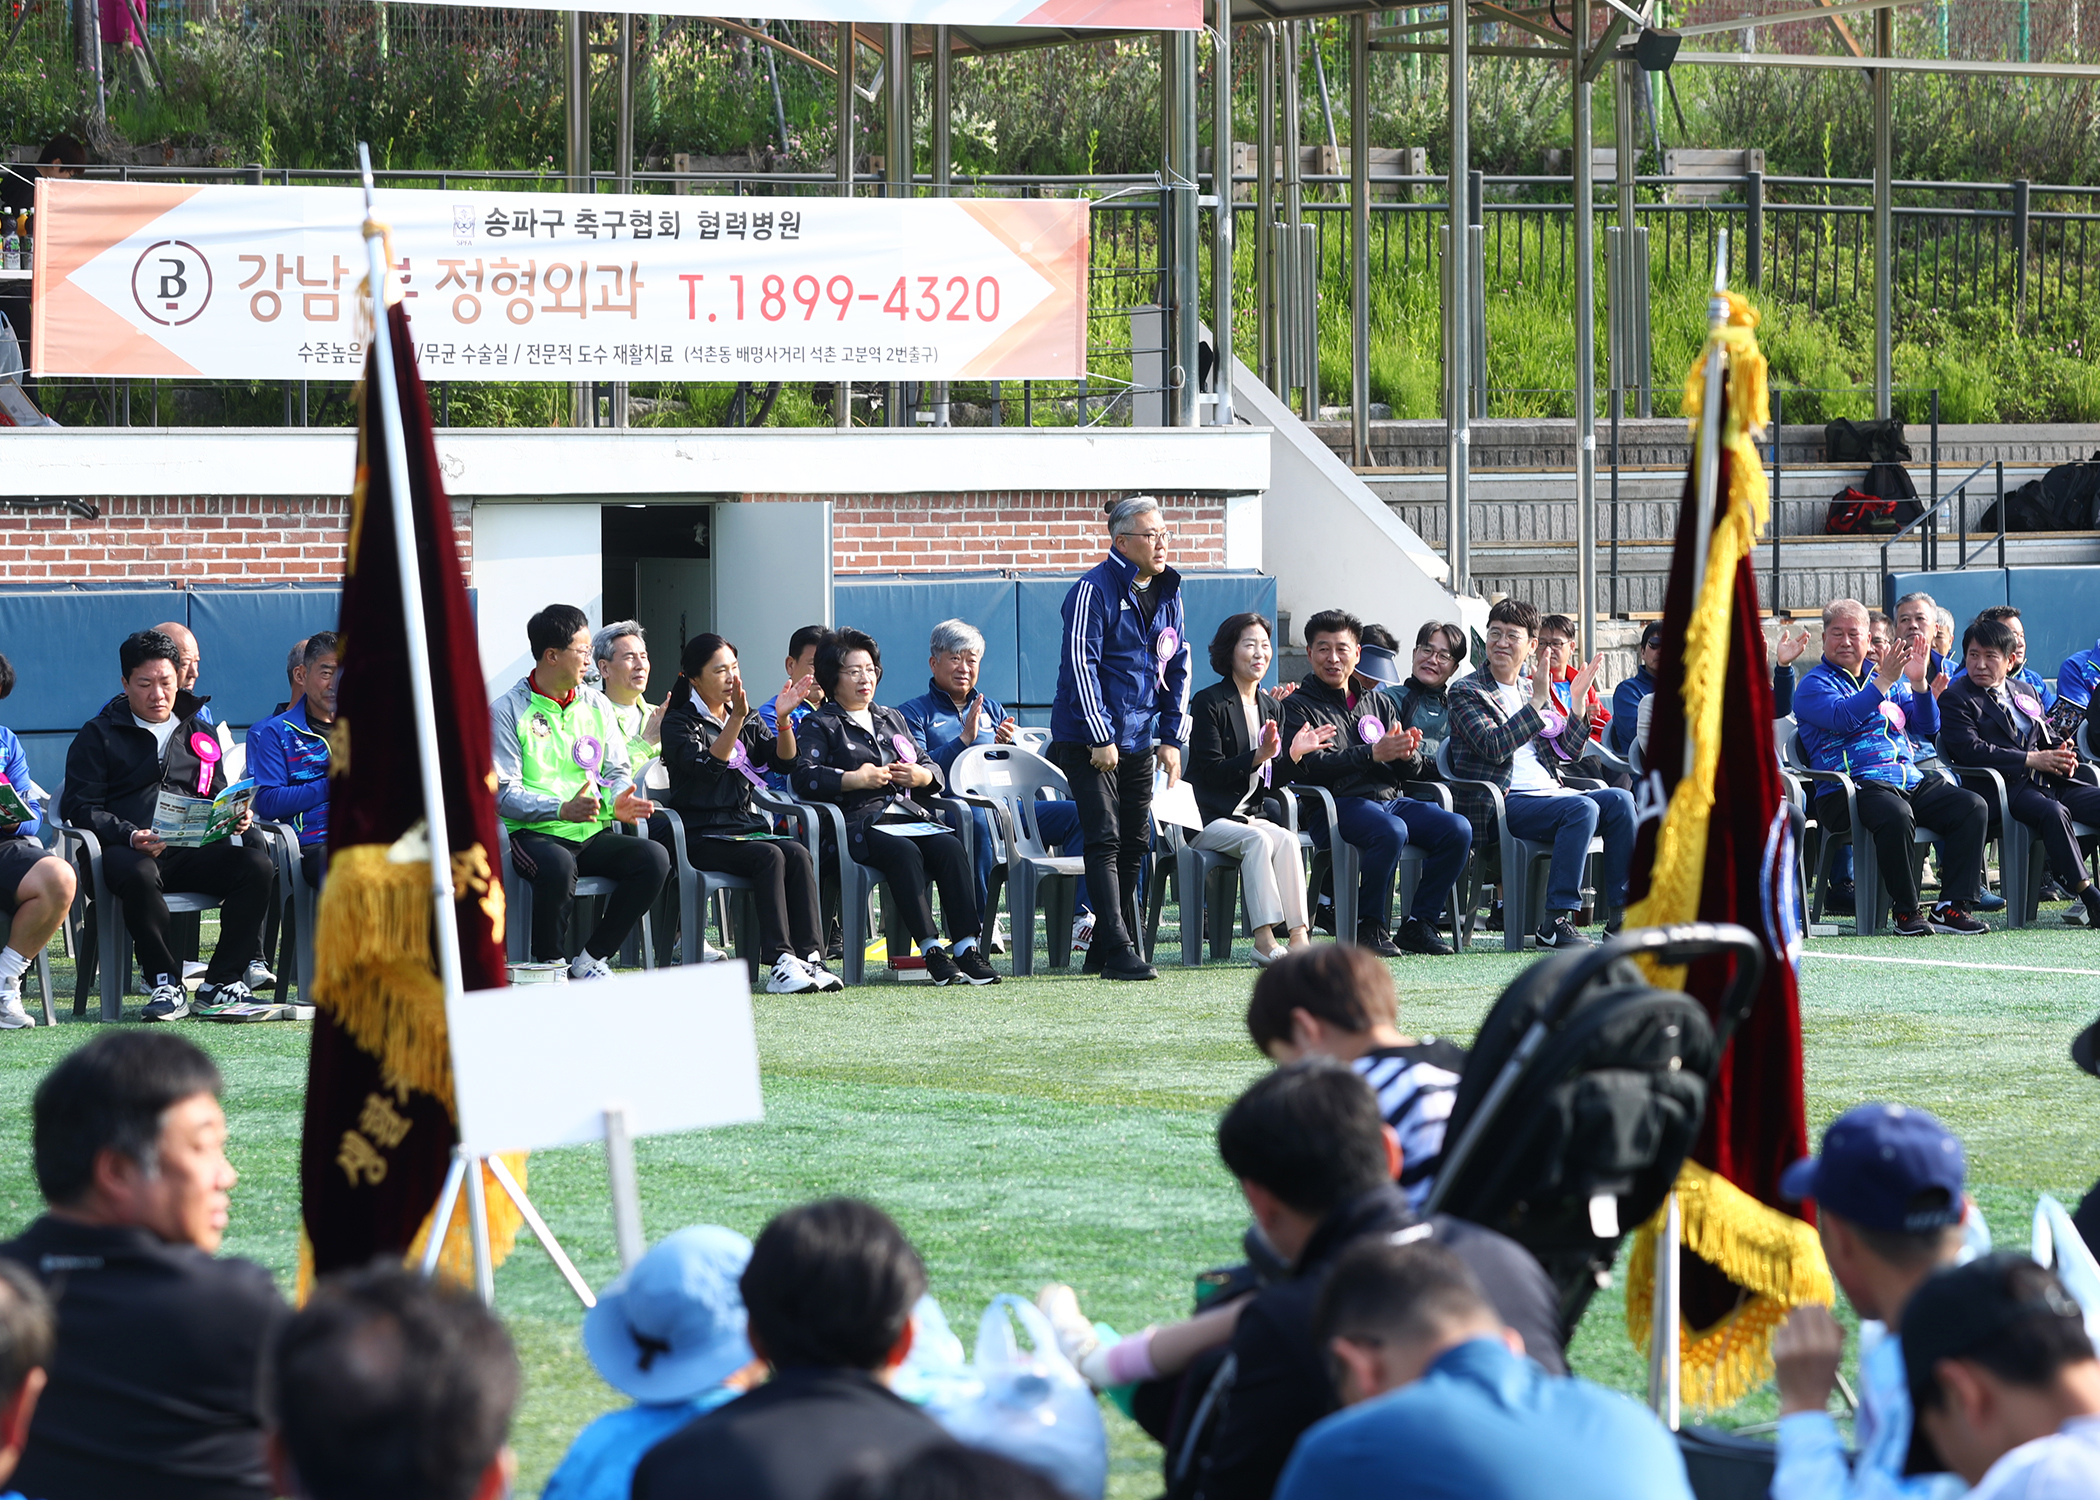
<point x="527" y="557"/>
<point x="1243" y="523"/>
<point x="1330" y="542"/>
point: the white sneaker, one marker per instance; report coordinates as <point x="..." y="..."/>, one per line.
<point x="259" y="976"/>
<point x="12" y="1016"/>
<point x="583" y="966"/>
<point x="826" y="980"/>
<point x="995" y="940"/>
<point x="1083" y="932"/>
<point x="790" y="976"/>
<point x="710" y="954"/>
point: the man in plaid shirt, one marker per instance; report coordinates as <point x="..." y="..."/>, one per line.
<point x="1514" y="735"/>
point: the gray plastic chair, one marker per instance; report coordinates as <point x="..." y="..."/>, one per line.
<point x="517" y="898"/>
<point x="1006" y="781"/>
<point x="304" y="901"/>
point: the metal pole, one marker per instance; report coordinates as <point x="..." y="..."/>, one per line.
<point x="577" y="109"/>
<point x="1778" y="477"/>
<point x="1298" y="288"/>
<point x="478" y="1232"/>
<point x="1458" y="431"/>
<point x="626" y="1194"/>
<point x="1360" y="234"/>
<point x="1586" y="353"/>
<point x="1179" y="56"/>
<point x="897" y="155"/>
<point x="1222" y="226"/>
<point x="843" y="154"/>
<point x="1709" y="452"/>
<point x="1884" y="217"/>
<point x="943" y="159"/>
<point x="1664" y="1355"/>
<point x="624" y="166"/>
<point x="1265" y="208"/>
<point x="422" y="698"/>
<point x="1625" y="297"/>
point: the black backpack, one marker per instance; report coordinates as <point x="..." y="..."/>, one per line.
<point x="2067" y="498"/>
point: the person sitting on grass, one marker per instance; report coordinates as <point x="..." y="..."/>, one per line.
<point x="36" y="886"/>
<point x="714" y="747"/>
<point x="861" y="756"/>
<point x="1431" y="1379"/>
<point x="1236" y="757"/>
<point x="27" y="1334"/>
<point x="1988" y="720"/>
<point x="389" y="1387"/>
<point x="160" y="1340"/>
<point x="1336" y="1000"/>
<point x="1858" y="714"/>
<point x="828" y="1294"/>
<point x="1316" y="1162"/>
<point x="1518" y="738"/>
<point x="147" y="739"/>
<point x="2004" y="1382"/>
<point x="669" y="1333"/>
<point x="562" y="781"/>
<point x="1890" y="1211"/>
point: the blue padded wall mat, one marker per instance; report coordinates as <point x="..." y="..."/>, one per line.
<point x="242" y="637"/>
<point x="1961" y="592"/>
<point x="2059" y="610"/>
<point x="62" y="644"/>
<point x="901" y="613"/>
<point x="1207" y="600"/>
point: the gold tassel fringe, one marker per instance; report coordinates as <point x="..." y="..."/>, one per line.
<point x="456" y="1259"/>
<point x="1680" y="844"/>
<point x="374" y="972"/>
<point x="1776" y="1258"/>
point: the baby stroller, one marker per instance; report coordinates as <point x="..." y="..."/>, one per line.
<point x="1584" y="1093"/>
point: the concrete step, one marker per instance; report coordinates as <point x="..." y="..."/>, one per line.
<point x="1659" y="442"/>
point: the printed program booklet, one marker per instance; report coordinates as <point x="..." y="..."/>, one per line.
<point x="192" y="822"/>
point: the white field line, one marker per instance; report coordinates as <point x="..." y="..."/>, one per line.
<point x="1944" y="963"/>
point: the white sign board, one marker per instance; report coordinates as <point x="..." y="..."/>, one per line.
<point x="538" y="1065"/>
<point x="227" y="282"/>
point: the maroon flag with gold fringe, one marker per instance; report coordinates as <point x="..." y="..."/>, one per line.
<point x="1715" y="843"/>
<point x="380" y="1126"/>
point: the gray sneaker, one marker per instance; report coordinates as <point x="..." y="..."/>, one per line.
<point x="1561" y="933"/>
<point x="170" y="1001"/>
<point x="259" y="976"/>
<point x="12" y="1016"/>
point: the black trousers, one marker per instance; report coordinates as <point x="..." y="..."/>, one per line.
<point x="783" y="889"/>
<point x="1959" y="816"/>
<point x="553" y="865"/>
<point x="2050" y="812"/>
<point x="906" y="863"/>
<point x="240" y="875"/>
<point x="1115" y="825"/>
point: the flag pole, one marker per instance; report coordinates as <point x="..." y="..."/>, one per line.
<point x="421" y="694"/>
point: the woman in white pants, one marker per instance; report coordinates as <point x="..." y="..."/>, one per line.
<point x="1233" y="764"/>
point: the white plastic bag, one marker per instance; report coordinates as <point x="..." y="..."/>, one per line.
<point x="1029" y="1405"/>
<point x="2056" y="1242"/>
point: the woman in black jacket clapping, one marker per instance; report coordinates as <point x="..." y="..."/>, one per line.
<point x="862" y="756"/>
<point x="715" y="749"/>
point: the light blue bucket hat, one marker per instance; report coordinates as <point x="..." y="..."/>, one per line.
<point x="673" y="1325"/>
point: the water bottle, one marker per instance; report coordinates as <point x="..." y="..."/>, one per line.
<point x="28" y="244"/>
<point x="11" y="248"/>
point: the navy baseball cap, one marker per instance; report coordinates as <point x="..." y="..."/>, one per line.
<point x="1885" y="1167"/>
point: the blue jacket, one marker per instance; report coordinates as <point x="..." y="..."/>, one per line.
<point x="1113" y="674"/>
<point x="16" y="766"/>
<point x="1848" y="724"/>
<point x="778" y="780"/>
<point x="1626" y="710"/>
<point x="288" y="760"/>
<point x="1485" y="1424"/>
<point x="2079" y="676"/>
<point x="937" y="724"/>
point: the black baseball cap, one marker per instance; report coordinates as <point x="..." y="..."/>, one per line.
<point x="1962" y="1308"/>
<point x="1886" y="1167"/>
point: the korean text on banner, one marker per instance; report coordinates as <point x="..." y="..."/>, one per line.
<point x="259" y="283"/>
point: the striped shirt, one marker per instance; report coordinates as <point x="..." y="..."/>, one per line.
<point x="1416" y="1086"/>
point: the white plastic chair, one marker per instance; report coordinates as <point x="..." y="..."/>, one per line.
<point x="1006" y="781"/>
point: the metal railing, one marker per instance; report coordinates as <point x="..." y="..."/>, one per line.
<point x="1927" y="525"/>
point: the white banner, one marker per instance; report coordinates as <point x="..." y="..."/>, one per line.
<point x="260" y="283"/>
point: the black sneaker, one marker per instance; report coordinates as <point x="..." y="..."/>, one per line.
<point x="1949" y="918"/>
<point x="1839" y="899"/>
<point x="1417" y="936"/>
<point x="1614" y="924"/>
<point x="1912" y="924"/>
<point x="941" y="967"/>
<point x="2087" y="905"/>
<point x="1494" y="921"/>
<point x="1561" y="933"/>
<point x="974" y="969"/>
<point x="1127" y="965"/>
<point x="1373" y="935"/>
<point x="1323" y="918"/>
<point x="169" y="1002"/>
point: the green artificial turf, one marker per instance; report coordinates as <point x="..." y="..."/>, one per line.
<point x="1060" y="1128"/>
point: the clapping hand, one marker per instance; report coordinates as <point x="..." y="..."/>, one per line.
<point x="581" y="808"/>
<point x="791" y="697"/>
<point x="1895" y="663"/>
<point x="629" y="807"/>
<point x="1397" y="743"/>
<point x="1004" y="734"/>
<point x="1787" y="650"/>
<point x="1283" y="690"/>
<point x="970" y="718"/>
<point x="739" y="703"/>
<point x="1939" y="684"/>
<point x="1805" y="1352"/>
<point x="1579" y="689"/>
<point x="1311" y="738"/>
<point x="1268" y="744"/>
<point x="653" y="726"/>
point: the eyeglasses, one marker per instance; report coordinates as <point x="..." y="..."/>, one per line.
<point x="1435" y="653"/>
<point x="1514" y="637"/>
<point x="1150" y="536"/>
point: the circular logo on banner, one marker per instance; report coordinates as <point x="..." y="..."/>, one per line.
<point x="171" y="283"/>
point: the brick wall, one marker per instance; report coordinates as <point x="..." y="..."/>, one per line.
<point x="1037" y="530"/>
<point x="191" y="540"/>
